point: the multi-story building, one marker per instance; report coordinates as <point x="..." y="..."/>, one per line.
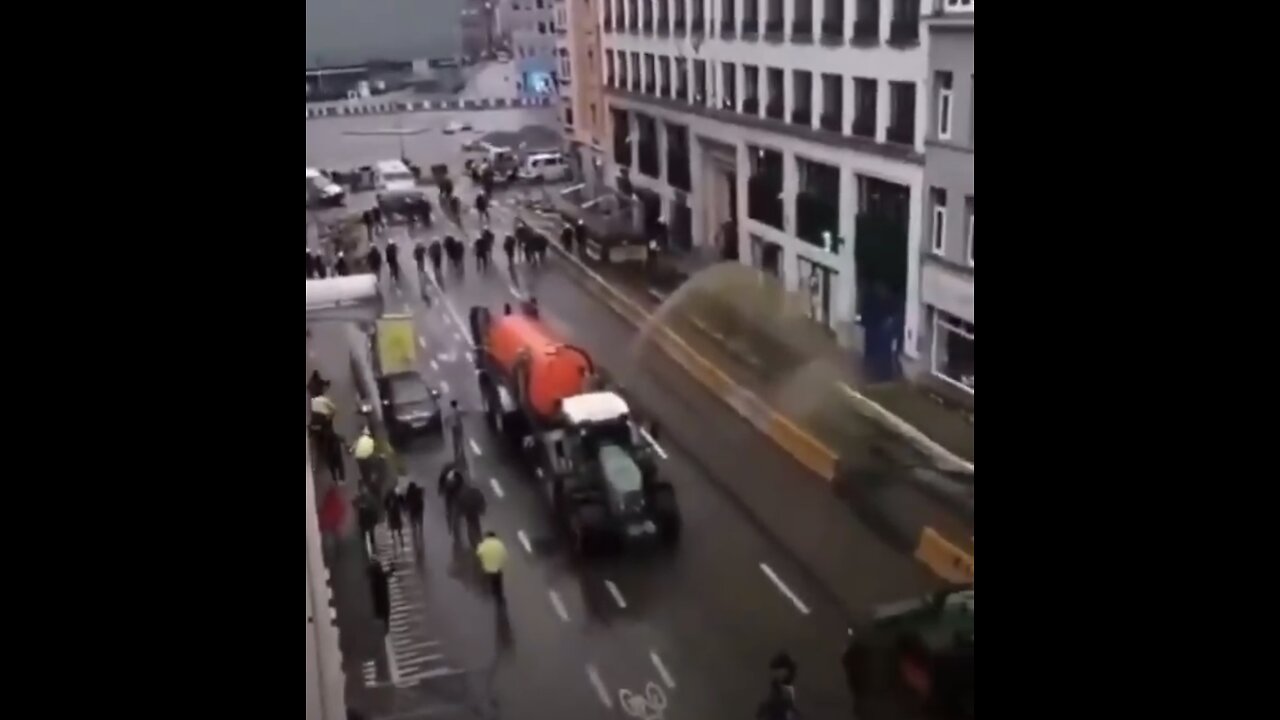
<point x="582" y="89"/>
<point x="478" y="24"/>
<point x="787" y="133"/>
<point x="946" y="281"/>
<point x="531" y="25"/>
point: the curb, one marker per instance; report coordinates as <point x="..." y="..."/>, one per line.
<point x="943" y="558"/>
<point x="397" y="107"/>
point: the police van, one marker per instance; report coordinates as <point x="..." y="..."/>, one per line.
<point x="321" y="191"/>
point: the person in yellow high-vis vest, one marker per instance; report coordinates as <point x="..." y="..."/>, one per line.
<point x="364" y="451"/>
<point x="493" y="558"/>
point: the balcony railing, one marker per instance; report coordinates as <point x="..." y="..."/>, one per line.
<point x="773" y="30"/>
<point x="727" y="29"/>
<point x="750" y="28"/>
<point x="802" y="117"/>
<point x="866" y="30"/>
<point x="905" y="31"/>
<point x="833" y="31"/>
<point x="830" y="122"/>
<point x="901" y="134"/>
<point x="802" y="30"/>
<point x="774" y="110"/>
<point x="751" y="106"/>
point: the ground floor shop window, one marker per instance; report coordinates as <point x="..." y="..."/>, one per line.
<point x="953" y="350"/>
<point x="767" y="256"/>
<point x="815" y="282"/>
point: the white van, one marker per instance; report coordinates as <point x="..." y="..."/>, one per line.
<point x="549" y="167"/>
<point x="394" y="177"/>
<point x="323" y="191"/>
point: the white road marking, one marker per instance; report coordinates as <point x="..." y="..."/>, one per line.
<point x="804" y="609"/>
<point x="444" y="357"/>
<point x="434" y="366"/>
<point x="524" y="540"/>
<point x="469" y="358"/>
<point x="662" y="670"/>
<point x="594" y="676"/>
<point x="444" y="385"/>
<point x="559" y="605"/>
<point x="616" y="593"/>
<point x="497" y="489"/>
<point x="391" y="662"/>
<point x="475" y="448"/>
<point x="516" y="292"/>
<point x="453" y="313"/>
<point x="422" y="343"/>
<point x="658" y="448"/>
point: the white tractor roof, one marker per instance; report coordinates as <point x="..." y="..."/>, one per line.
<point x="594" y="407"/>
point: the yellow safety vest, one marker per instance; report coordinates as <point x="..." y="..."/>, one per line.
<point x="364" y="447"/>
<point x="492" y="554"/>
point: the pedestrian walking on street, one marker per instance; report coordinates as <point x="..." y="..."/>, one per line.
<point x="484" y="245"/>
<point x="375" y="261"/>
<point x="395" y="519"/>
<point x="420" y="257"/>
<point x="509" y="247"/>
<point x="540" y="243"/>
<point x="363" y="450"/>
<point x="367" y="518"/>
<point x="380" y="589"/>
<point x="340" y="265"/>
<point x="416" y="504"/>
<point x="566" y="239"/>
<point x="311" y="265"/>
<point x="450" y="485"/>
<point x="455" y="207"/>
<point x="436" y="254"/>
<point x="482" y="207"/>
<point x="472" y="506"/>
<point x="493" y="558"/>
<point x="393" y="261"/>
<point x="456" y="430"/>
<point x="367" y="218"/>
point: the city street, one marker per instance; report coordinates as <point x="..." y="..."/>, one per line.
<point x="696" y="627"/>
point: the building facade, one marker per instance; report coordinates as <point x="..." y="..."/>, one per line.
<point x="583" y="109"/>
<point x="342" y="33"/>
<point x="531" y="26"/>
<point x="788" y="134"/>
<point x="946" y="287"/>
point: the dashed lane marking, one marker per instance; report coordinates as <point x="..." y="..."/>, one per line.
<point x="558" y="604"/>
<point x="524" y="540"/>
<point x="475" y="448"/>
<point x="434" y="366"/>
<point x="444" y="385"/>
<point x="422" y="343"/>
<point x="662" y="670"/>
<point x="593" y="675"/>
<point x="768" y="571"/>
<point x="616" y="593"/>
<point x="497" y="489"/>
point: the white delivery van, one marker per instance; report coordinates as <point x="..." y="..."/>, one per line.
<point x="323" y="191"/>
<point x="549" y="167"/>
<point x="393" y="177"/>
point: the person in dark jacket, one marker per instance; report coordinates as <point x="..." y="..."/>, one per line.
<point x="482" y="207"/>
<point x="380" y="588"/>
<point x="436" y="254"/>
<point x="367" y="517"/>
<point x="395" y="519"/>
<point x="472" y="506"/>
<point x="450" y="484"/>
<point x="420" y="257"/>
<point x="316" y="385"/>
<point x="340" y="267"/>
<point x="311" y="265"/>
<point x="566" y="239"/>
<point x="509" y="247"/>
<point x="375" y="261"/>
<point x="393" y="260"/>
<point x="416" y="504"/>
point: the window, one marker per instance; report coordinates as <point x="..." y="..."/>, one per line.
<point x="568" y="116"/>
<point x="938" y="199"/>
<point x="542" y="28"/>
<point x="953" y="350"/>
<point x="968" y="214"/>
<point x="943" y="80"/>
<point x="593" y="114"/>
<point x="540" y="4"/>
<point x="959" y="5"/>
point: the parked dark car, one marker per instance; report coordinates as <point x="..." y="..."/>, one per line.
<point x="411" y="408"/>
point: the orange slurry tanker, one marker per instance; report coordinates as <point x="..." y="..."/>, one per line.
<point x="594" y="465"/>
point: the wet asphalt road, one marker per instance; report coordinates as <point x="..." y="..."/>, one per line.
<point x="699" y="623"/>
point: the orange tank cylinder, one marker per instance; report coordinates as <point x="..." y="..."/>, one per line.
<point x="555" y="370"/>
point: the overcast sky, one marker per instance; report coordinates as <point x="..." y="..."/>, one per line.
<point x="350" y="32"/>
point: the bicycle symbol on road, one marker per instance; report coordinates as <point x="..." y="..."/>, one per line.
<point x="649" y="706"/>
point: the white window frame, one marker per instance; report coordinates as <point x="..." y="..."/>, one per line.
<point x="969" y="252"/>
<point x="941" y="325"/>
<point x="938" y="229"/>
<point x="946" y="105"/>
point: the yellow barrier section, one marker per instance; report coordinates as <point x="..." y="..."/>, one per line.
<point x="944" y="558"/>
